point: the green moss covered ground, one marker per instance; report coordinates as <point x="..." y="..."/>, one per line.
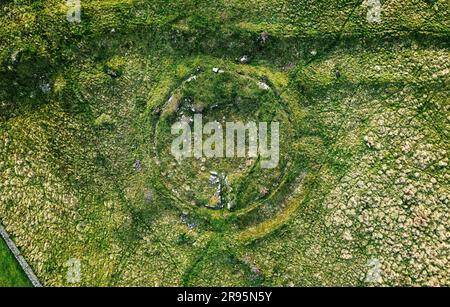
<point x="363" y="175"/>
<point x="11" y="275"/>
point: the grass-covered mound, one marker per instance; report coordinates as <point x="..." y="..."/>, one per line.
<point x="363" y="175"/>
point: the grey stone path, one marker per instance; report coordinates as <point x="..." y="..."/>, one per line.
<point x="23" y="263"/>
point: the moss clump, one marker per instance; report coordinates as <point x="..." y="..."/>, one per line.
<point x="104" y="120"/>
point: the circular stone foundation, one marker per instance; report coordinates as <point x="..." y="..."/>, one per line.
<point x="230" y="185"/>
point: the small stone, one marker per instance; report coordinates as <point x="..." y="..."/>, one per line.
<point x="264" y="37"/>
<point x="188" y="100"/>
<point x="191" y="78"/>
<point x="112" y="73"/>
<point x="148" y="196"/>
<point x="184" y="217"/>
<point x="263" y="86"/>
<point x="244" y="60"/>
<point x="213" y="180"/>
<point x="157" y="111"/>
<point x="14" y="58"/>
<point x="368" y="142"/>
<point x="45" y="88"/>
<point x="263" y="191"/>
<point x="137" y="166"/>
<point x="215" y="70"/>
<point x="231" y="205"/>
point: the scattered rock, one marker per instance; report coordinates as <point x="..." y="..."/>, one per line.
<point x="45" y="87"/>
<point x="112" y="73"/>
<point x="191" y="78"/>
<point x="157" y="111"/>
<point x="263" y="191"/>
<point x="214" y="179"/>
<point x="368" y="141"/>
<point x="231" y="205"/>
<point x="264" y="37"/>
<point x="263" y="86"/>
<point x="137" y="166"/>
<point x="14" y="57"/>
<point x="188" y="101"/>
<point x="148" y="196"/>
<point x="184" y="218"/>
<point x="244" y="60"/>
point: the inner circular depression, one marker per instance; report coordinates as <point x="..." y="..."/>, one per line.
<point x="222" y="183"/>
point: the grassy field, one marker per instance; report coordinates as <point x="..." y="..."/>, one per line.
<point x="362" y="182"/>
<point x="11" y="274"/>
